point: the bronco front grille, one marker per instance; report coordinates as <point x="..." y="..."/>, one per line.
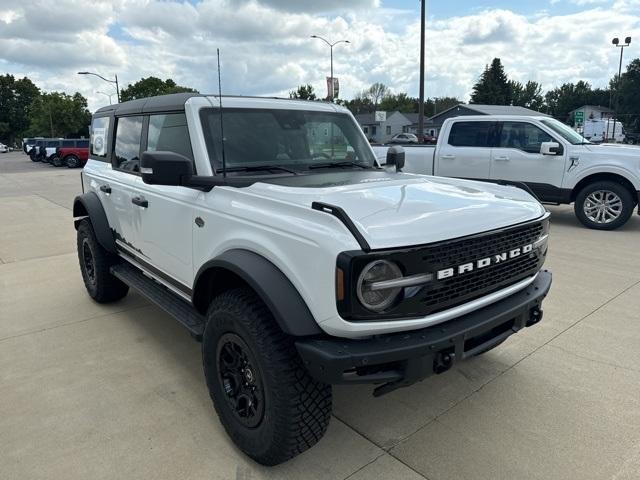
<point x="438" y="295"/>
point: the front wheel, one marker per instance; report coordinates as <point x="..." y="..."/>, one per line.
<point x="56" y="161"/>
<point x="267" y="402"/>
<point x="604" y="205"/>
<point x="72" y="161"/>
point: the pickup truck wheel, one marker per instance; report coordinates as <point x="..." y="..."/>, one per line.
<point x="72" y="161"/>
<point x="267" y="402"/>
<point x="604" y="205"/>
<point x="95" y="262"/>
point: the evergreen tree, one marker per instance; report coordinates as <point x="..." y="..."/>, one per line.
<point x="304" y="92"/>
<point x="493" y="86"/>
<point x="150" y="87"/>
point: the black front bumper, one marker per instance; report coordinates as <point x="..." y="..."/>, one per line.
<point x="400" y="359"/>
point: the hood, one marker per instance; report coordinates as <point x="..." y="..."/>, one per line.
<point x="614" y="149"/>
<point x="396" y="210"/>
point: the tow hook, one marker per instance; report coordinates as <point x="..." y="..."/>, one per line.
<point x="443" y="361"/>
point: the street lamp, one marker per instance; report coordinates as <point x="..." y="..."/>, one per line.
<point x="106" y="95"/>
<point x="616" y="42"/>
<point x="331" y="45"/>
<point x="106" y="80"/>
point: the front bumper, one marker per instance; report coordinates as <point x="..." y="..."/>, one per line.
<point x="401" y="359"/>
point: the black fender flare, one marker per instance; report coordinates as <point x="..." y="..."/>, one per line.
<point x="271" y="285"/>
<point x="89" y="205"/>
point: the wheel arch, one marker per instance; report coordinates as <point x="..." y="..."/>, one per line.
<point x="242" y="267"/>
<point x="88" y="205"/>
<point x="602" y="177"/>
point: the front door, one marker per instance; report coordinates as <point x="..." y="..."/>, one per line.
<point x="466" y="153"/>
<point x="517" y="158"/>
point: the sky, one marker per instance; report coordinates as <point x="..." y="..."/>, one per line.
<point x="266" y="47"/>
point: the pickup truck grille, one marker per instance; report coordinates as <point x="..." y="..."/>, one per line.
<point x="451" y="291"/>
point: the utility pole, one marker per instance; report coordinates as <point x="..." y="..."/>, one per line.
<point x="421" y="100"/>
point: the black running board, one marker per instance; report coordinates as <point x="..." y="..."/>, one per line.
<point x="164" y="298"/>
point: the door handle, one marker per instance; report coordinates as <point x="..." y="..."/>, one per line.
<point x="502" y="159"/>
<point x="448" y="157"/>
<point x="105" y="189"/>
<point x="140" y="201"/>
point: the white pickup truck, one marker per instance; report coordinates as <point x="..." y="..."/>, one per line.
<point x="541" y="154"/>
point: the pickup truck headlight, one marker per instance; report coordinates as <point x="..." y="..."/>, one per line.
<point x="375" y="287"/>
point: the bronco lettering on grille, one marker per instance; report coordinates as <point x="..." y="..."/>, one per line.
<point x="483" y="262"/>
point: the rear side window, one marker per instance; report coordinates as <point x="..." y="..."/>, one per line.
<point x="53" y="143"/>
<point x="470" y="134"/>
<point x="82" y="144"/>
<point x="169" y="133"/>
<point x="68" y="143"/>
<point x="523" y="136"/>
<point x="99" y="131"/>
<point x="127" y="146"/>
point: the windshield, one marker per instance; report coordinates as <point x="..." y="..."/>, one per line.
<point x="565" y="131"/>
<point x="293" y="139"/>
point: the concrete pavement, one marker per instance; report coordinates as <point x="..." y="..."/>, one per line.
<point x="117" y="391"/>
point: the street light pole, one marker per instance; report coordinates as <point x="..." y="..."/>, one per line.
<point x="616" y="42"/>
<point x="106" y="80"/>
<point x="421" y="99"/>
<point x="331" y="45"/>
<point x="106" y="95"/>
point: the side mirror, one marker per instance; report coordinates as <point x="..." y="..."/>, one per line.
<point x="395" y="156"/>
<point x="165" y="168"/>
<point x="550" y="148"/>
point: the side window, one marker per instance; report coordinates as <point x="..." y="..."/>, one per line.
<point x="470" y="134"/>
<point x="127" y="146"/>
<point x="99" y="130"/>
<point x="169" y="133"/>
<point x="388" y="130"/>
<point x="523" y="136"/>
<point x="82" y="144"/>
<point x="68" y="143"/>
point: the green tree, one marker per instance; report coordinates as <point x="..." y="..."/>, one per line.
<point x="359" y="104"/>
<point x="628" y="97"/>
<point x="375" y="93"/>
<point x="400" y="102"/>
<point x="150" y="87"/>
<point x="304" y="92"/>
<point x="562" y="100"/>
<point x="16" y="98"/>
<point x="528" y="95"/>
<point x="493" y="86"/>
<point x="57" y="114"/>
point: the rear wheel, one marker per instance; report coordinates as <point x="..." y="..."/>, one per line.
<point x="267" y="402"/>
<point x="56" y="161"/>
<point x="72" y="161"/>
<point x="95" y="263"/>
<point x="605" y="205"/>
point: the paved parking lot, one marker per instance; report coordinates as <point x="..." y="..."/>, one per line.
<point x="90" y="391"/>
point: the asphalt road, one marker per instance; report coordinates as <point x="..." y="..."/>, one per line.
<point x="90" y="391"/>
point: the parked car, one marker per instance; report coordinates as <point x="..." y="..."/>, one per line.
<point x="297" y="269"/>
<point x="38" y="150"/>
<point x="404" y="138"/>
<point x="3" y="148"/>
<point x="541" y="154"/>
<point x="28" y="143"/>
<point x="632" y="138"/>
<point x="603" y="130"/>
<point x="72" y="153"/>
<point x="428" y="139"/>
<point x="50" y="149"/>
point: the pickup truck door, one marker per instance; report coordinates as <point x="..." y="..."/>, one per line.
<point x="165" y="214"/>
<point x="466" y="152"/>
<point x="517" y="157"/>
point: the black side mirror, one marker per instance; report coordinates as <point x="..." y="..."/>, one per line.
<point x="165" y="168"/>
<point x="395" y="156"/>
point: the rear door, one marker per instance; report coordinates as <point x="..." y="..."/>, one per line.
<point x="517" y="158"/>
<point x="466" y="153"/>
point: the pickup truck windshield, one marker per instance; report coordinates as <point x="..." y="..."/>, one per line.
<point x="565" y="132"/>
<point x="293" y="139"/>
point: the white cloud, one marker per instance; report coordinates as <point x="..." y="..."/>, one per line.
<point x="266" y="48"/>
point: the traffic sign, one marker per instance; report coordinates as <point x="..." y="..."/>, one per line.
<point x="578" y="116"/>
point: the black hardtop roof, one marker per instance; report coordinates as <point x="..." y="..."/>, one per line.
<point x="164" y="103"/>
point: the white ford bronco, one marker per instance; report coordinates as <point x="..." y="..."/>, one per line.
<point x="267" y="228"/>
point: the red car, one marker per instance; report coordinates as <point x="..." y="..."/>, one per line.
<point x="72" y="156"/>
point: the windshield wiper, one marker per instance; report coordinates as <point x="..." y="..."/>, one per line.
<point x="338" y="165"/>
<point x="259" y="168"/>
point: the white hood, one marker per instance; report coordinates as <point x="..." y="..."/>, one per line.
<point x="403" y="210"/>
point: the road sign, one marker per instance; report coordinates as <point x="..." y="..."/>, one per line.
<point x="578" y="116"/>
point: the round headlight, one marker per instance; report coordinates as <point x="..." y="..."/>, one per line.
<point x="372" y="297"/>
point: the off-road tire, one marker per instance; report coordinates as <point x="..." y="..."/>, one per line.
<point x="628" y="204"/>
<point x="56" y="161"/>
<point x="33" y="157"/>
<point x="296" y="408"/>
<point x="101" y="285"/>
<point x="72" y="161"/>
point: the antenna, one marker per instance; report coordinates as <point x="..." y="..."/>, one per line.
<point x="224" y="160"/>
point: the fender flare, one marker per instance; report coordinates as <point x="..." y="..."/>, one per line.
<point x="272" y="286"/>
<point x="89" y="205"/>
